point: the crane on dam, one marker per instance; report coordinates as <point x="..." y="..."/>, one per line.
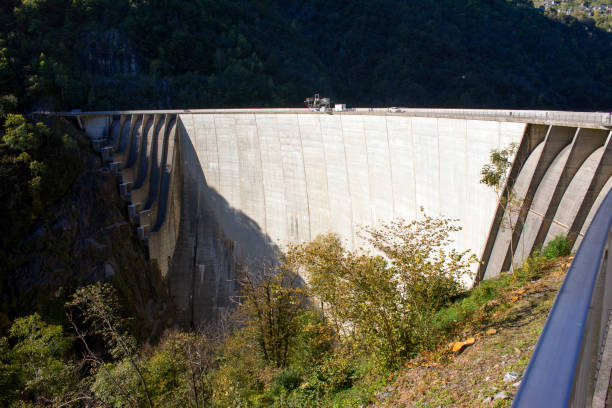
<point x="317" y="103"/>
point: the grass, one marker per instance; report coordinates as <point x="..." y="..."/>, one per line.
<point x="491" y="296"/>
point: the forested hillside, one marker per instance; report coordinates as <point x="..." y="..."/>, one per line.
<point x="98" y="54"/>
<point x="598" y="12"/>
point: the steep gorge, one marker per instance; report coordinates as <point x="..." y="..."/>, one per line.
<point x="82" y="238"/>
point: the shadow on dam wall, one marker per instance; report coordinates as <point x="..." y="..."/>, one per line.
<point x="204" y="271"/>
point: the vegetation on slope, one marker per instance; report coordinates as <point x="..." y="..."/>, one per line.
<point x="37" y="167"/>
<point x="505" y="328"/>
<point x="598" y="12"/>
<point x="368" y="317"/>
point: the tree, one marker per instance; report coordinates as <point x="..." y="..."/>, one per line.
<point x="23" y="136"/>
<point x="387" y="302"/>
<point x="35" y="365"/>
<point x="178" y="370"/>
<point x="98" y="306"/>
<point x="496" y="174"/>
<point x="270" y="304"/>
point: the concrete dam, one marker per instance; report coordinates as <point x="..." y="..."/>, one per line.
<point x="214" y="190"/>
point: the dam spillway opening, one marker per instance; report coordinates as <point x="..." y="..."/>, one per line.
<point x="214" y="189"/>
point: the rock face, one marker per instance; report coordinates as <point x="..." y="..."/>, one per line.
<point x="108" y="53"/>
<point x="88" y="238"/>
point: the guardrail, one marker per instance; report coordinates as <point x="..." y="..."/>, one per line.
<point x="599" y="119"/>
<point x="603" y="119"/>
<point x="566" y="366"/>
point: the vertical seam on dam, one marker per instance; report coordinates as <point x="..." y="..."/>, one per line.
<point x="390" y="169"/>
<point x="439" y="170"/>
<point x="305" y="177"/>
<point x="237" y="152"/>
<point x="466" y="192"/>
<point x="218" y="157"/>
<point x="263" y="183"/>
<point x="414" y="176"/>
<point x="284" y="190"/>
<point x="348" y="183"/>
<point x="370" y="202"/>
<point x="195" y="133"/>
<point x="326" y="169"/>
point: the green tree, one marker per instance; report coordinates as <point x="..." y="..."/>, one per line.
<point x="35" y="367"/>
<point x="386" y="303"/>
<point x="21" y="135"/>
<point x="496" y="174"/>
<point x="270" y="305"/>
<point x="178" y="370"/>
<point x="98" y="306"/>
<point x="10" y="378"/>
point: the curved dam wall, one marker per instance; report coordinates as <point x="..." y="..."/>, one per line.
<point x="217" y="190"/>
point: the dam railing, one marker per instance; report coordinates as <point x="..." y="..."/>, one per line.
<point x="589" y="119"/>
<point x="603" y="119"/>
<point x="570" y="366"/>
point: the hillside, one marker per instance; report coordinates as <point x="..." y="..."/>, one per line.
<point x="99" y="54"/>
<point x="491" y="369"/>
<point x="64" y="225"/>
<point x="598" y="12"/>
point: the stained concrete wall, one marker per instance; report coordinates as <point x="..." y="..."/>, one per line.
<point x="300" y="175"/>
<point x="215" y="191"/>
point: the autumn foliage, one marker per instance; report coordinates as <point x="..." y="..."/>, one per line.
<point x="386" y="301"/>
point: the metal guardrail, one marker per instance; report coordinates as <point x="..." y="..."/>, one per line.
<point x="603" y="119"/>
<point x="598" y="118"/>
<point x="564" y="367"/>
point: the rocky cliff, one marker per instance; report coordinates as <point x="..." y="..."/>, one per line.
<point x="86" y="237"/>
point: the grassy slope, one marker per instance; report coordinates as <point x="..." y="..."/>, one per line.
<point x="517" y="314"/>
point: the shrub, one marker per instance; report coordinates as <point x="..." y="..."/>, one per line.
<point x="559" y="246"/>
<point x="287" y="379"/>
<point x="271" y="302"/>
<point x="238" y="379"/>
<point x="387" y="303"/>
<point x="336" y="372"/>
<point x="313" y="341"/>
<point x="530" y="269"/>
